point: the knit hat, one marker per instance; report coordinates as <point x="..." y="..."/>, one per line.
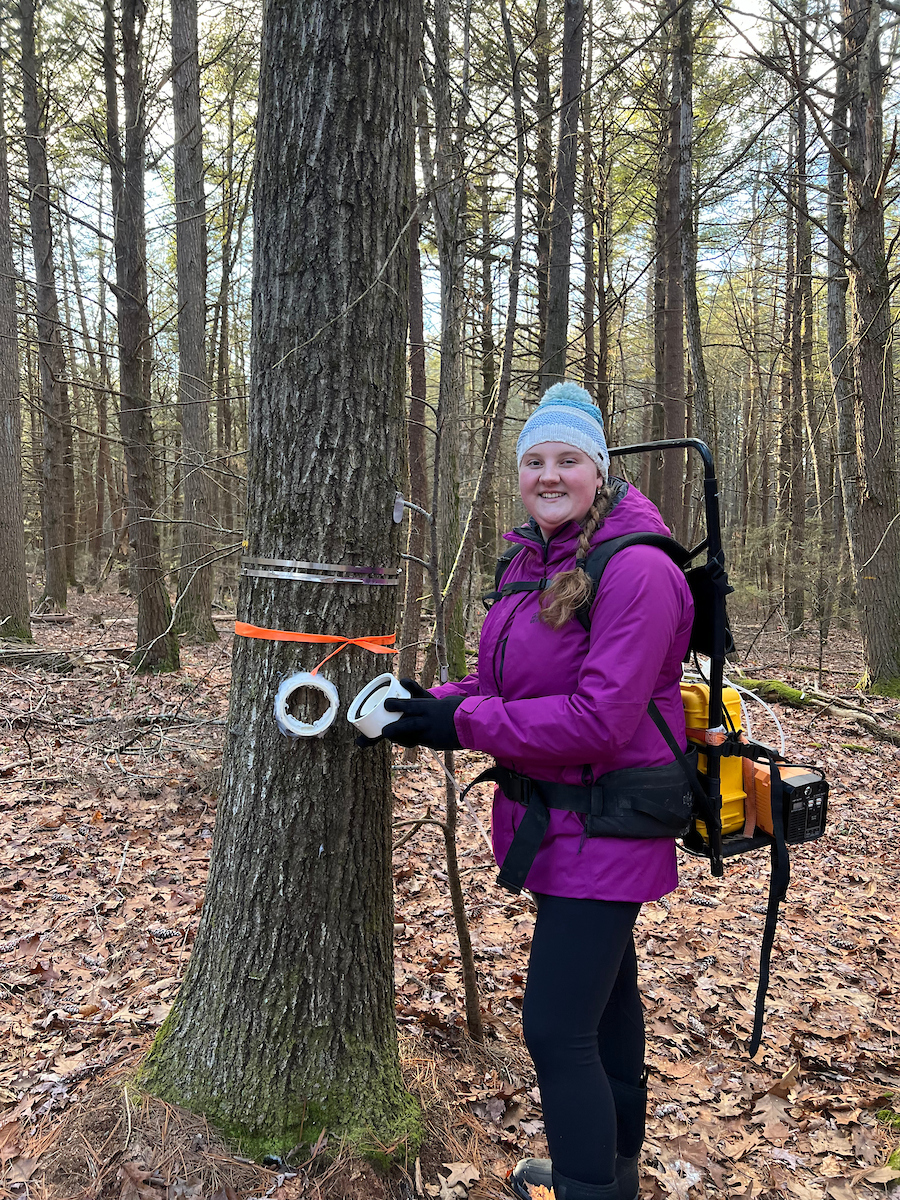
<point x="566" y="414"/>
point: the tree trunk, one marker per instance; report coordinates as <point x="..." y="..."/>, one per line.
<point x="839" y="358"/>
<point x="876" y="534"/>
<point x="54" y="397"/>
<point x="701" y="412"/>
<point x="543" y="164"/>
<point x="194" y="605"/>
<point x="588" y="216"/>
<point x="675" y="385"/>
<point x="449" y="205"/>
<point x="801" y="374"/>
<point x="553" y="358"/>
<point x="284" y="1025"/>
<point x="157" y="646"/>
<point x="487" y="533"/>
<point x="418" y="469"/>
<point x="14" y="606"/>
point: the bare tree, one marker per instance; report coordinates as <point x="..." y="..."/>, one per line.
<point x="194" y="609"/>
<point x="57" y="522"/>
<point x="553" y="357"/>
<point x="14" y="607"/>
<point x="157" y="646"/>
<point x="875" y="514"/>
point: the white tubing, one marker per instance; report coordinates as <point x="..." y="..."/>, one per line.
<point x="759" y="700"/>
<point x="289" y="725"/>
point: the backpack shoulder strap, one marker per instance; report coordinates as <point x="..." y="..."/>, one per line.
<point x="596" y="562"/>
<point x="502" y="563"/>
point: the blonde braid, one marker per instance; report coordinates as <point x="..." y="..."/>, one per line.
<point x="570" y="589"/>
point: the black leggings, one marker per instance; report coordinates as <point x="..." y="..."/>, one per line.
<point x="583" y="1020"/>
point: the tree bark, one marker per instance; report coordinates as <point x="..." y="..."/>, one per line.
<point x="14" y="607"/>
<point x="553" y="357"/>
<point x="194" y="603"/>
<point x="839" y="358"/>
<point x="418" y="469"/>
<point x="701" y="412"/>
<point x="543" y="164"/>
<point x="487" y="532"/>
<point x="54" y="395"/>
<point x="801" y="372"/>
<point x="449" y="205"/>
<point x="284" y="1025"/>
<point x="157" y="645"/>
<point x="876" y="534"/>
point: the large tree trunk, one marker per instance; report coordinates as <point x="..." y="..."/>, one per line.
<point x="876" y="530"/>
<point x="157" y="646"/>
<point x="194" y="611"/>
<point x="54" y="395"/>
<point x="284" y="1025"/>
<point x="553" y="358"/>
<point x="14" y="607"/>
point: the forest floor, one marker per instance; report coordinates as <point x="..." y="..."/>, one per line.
<point x="107" y="801"/>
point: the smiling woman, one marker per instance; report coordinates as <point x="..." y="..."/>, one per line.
<point x="563" y="707"/>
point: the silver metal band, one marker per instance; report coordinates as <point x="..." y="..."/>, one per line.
<point x="297" y="569"/>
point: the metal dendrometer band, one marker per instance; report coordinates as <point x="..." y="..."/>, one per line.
<point x="311" y="572"/>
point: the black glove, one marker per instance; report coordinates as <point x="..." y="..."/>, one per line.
<point x="424" y="722"/>
<point x="416" y="690"/>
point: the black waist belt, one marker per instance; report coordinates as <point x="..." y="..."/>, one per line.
<point x="635" y="802"/>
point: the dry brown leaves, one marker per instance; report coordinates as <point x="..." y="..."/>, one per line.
<point x="106" y="814"/>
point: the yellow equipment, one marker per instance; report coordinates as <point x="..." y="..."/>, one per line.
<point x="695" y="698"/>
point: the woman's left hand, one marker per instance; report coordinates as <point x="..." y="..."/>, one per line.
<point x="422" y="723"/>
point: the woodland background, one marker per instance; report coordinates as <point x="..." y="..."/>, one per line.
<point x="688" y="208"/>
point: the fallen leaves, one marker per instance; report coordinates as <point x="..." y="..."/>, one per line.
<point x="102" y="872"/>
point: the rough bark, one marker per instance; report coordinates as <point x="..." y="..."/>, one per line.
<point x="54" y="395"/>
<point x="194" y="604"/>
<point x="14" y="606"/>
<point x="284" y="1024"/>
<point x="876" y="533"/>
<point x="553" y="356"/>
<point x="157" y="646"/>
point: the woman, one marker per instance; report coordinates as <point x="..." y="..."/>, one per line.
<point x="553" y="701"/>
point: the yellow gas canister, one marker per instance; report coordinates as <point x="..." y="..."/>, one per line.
<point x="695" y="697"/>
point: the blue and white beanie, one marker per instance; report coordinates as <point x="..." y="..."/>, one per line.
<point x="567" y="414"/>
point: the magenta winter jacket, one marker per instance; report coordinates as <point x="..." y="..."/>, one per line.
<point x="566" y="706"/>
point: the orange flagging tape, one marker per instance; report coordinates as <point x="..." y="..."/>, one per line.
<point x="379" y="644"/>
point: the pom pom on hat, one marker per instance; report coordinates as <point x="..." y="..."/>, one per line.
<point x="566" y="414"/>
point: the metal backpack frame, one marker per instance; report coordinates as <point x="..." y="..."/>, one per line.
<point x="716" y="848"/>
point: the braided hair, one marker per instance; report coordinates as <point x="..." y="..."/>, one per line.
<point x="570" y="589"/>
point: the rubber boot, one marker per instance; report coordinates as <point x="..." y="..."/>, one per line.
<point x="529" y="1173"/>
<point x="631" y="1119"/>
<point x="572" y="1189"/>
